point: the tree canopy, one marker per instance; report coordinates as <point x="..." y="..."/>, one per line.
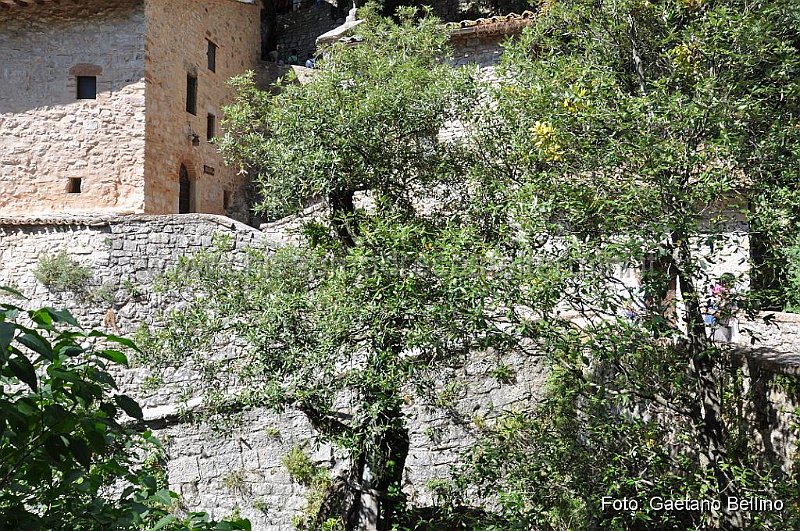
<point x="593" y="200"/>
<point x="645" y="134"/>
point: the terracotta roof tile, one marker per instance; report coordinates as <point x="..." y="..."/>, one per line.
<point x="501" y="25"/>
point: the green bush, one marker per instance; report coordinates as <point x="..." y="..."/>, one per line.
<point x="299" y="466"/>
<point x="63" y="447"/>
<point x="793" y="278"/>
<point x="60" y="272"/>
<point x="318" y="482"/>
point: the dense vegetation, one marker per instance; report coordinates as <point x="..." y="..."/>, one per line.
<point x="67" y="462"/>
<point x="631" y="134"/>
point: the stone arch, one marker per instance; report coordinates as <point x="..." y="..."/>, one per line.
<point x="187" y="188"/>
<point x="86" y="69"/>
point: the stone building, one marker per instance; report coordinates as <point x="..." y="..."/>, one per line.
<point x="110" y="106"/>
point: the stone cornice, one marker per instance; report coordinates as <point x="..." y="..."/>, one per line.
<point x="101" y="220"/>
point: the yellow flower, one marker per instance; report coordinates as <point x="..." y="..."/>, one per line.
<point x="544" y="135"/>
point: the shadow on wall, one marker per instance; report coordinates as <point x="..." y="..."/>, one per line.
<point x="293" y="32"/>
<point x="69" y="101"/>
<point x="56" y="54"/>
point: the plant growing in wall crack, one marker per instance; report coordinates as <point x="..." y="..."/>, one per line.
<point x="62" y="273"/>
<point x="318" y="482"/>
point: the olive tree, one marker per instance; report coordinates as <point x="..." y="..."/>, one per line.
<point x="385" y="284"/>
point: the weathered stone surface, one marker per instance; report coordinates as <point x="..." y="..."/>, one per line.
<point x="128" y="144"/>
<point x="239" y="466"/>
<point x="298" y="30"/>
<point x="49" y="136"/>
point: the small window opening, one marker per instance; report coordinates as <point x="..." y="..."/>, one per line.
<point x="211" y="127"/>
<point x="74" y="185"/>
<point x="191" y="94"/>
<point x="87" y="87"/>
<point x="226" y="199"/>
<point x="212" y="56"/>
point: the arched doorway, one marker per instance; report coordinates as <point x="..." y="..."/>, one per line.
<point x="185" y="191"/>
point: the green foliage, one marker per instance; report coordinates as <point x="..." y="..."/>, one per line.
<point x="623" y="136"/>
<point x="318" y="481"/>
<point x="60" y="272"/>
<point x="503" y="373"/>
<point x="299" y="466"/>
<point x="260" y="505"/>
<point x="792" y="288"/>
<point x="629" y="134"/>
<point x="332" y="524"/>
<point x="235" y="482"/>
<point x="380" y="290"/>
<point x="132" y="290"/>
<point x="63" y="450"/>
<point x="547" y="478"/>
<point x="272" y="432"/>
<point x="366" y="121"/>
<point x="103" y="293"/>
<point x="449" y="394"/>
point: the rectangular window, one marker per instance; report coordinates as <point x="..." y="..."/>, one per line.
<point x="87" y="87"/>
<point x="226" y="199"/>
<point x="191" y="94"/>
<point x="74" y="185"/>
<point x="212" y="56"/>
<point x="211" y="127"/>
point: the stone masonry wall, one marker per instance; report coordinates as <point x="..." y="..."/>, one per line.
<point x="176" y="45"/>
<point x="298" y="30"/>
<point x="48" y="135"/>
<point x="484" y="52"/>
<point x="238" y="466"/>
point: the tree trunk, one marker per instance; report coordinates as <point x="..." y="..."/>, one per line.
<point x="342" y="210"/>
<point x="383" y="476"/>
<point x="396" y="441"/>
<point x="712" y="432"/>
<point x="363" y="500"/>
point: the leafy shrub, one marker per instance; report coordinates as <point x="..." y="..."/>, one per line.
<point x="503" y="373"/>
<point x="299" y="466"/>
<point x="63" y="450"/>
<point x="793" y="281"/>
<point x="318" y="481"/>
<point x="60" y="272"/>
<point x="235" y="482"/>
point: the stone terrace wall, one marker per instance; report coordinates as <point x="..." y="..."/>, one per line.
<point x="773" y="330"/>
<point x="239" y="466"/>
<point x="48" y="135"/>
